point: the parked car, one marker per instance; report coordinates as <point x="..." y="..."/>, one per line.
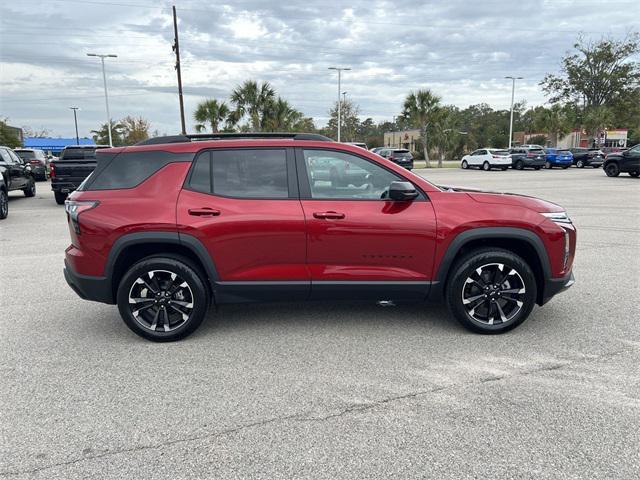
<point x="74" y="165"/>
<point x="522" y="157"/>
<point x="16" y="174"/>
<point x="166" y="228"/>
<point x="399" y="156"/>
<point x="358" y="144"/>
<point x="587" y="157"/>
<point x="486" y="159"/>
<point x="531" y="146"/>
<point x="37" y="159"/>
<point x="377" y="149"/>
<point x="4" y="199"/>
<point x="627" y="161"/>
<point x="558" y="158"/>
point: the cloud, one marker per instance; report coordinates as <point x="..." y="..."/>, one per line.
<point x="461" y="50"/>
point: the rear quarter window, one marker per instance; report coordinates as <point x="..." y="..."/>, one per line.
<point x="129" y="169"/>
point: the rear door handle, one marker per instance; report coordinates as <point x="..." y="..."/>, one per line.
<point x="204" y="212"/>
<point x="329" y="215"/>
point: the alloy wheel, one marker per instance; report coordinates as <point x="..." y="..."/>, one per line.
<point x="161" y="301"/>
<point x="493" y="294"/>
<point x="4" y="204"/>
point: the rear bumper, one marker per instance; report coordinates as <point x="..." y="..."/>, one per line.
<point x="67" y="185"/>
<point x="554" y="286"/>
<point x="97" y="289"/>
<point x="408" y="164"/>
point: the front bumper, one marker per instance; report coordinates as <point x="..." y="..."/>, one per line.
<point x="554" y="286"/>
<point x="97" y="289"/>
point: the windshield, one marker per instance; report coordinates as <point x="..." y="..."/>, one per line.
<point x="78" y="153"/>
<point x="26" y="154"/>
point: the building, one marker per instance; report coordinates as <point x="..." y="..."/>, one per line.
<point x="613" y="138"/>
<point x="17" y="131"/>
<point x="54" y="145"/>
<point x="409" y="139"/>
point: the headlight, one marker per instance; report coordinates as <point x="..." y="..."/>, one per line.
<point x="558" y="217"/>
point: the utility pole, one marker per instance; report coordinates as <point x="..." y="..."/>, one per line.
<point x="344" y="104"/>
<point x="176" y="49"/>
<point x="339" y="70"/>
<point x="75" y="120"/>
<point x="106" y="96"/>
<point x="513" y="89"/>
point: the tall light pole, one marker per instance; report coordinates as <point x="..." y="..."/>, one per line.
<point x="513" y="90"/>
<point x="106" y="96"/>
<point x="344" y="104"/>
<point x="339" y="70"/>
<point x="75" y="120"/>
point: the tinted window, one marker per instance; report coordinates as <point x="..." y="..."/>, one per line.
<point x="500" y="152"/>
<point x="78" y="153"/>
<point x="200" y="179"/>
<point x="26" y="154"/>
<point x="259" y="173"/>
<point x="128" y="169"/>
<point x="5" y="156"/>
<point x="338" y="175"/>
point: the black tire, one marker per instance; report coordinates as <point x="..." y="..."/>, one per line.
<point x="537" y="168"/>
<point x="564" y="168"/>
<point x="492" y="302"/>
<point x="580" y="164"/>
<point x="4" y="204"/>
<point x="634" y="174"/>
<point x="464" y="164"/>
<point x="612" y="169"/>
<point x="548" y="165"/>
<point x="30" y="189"/>
<point x="519" y="165"/>
<point x="486" y="167"/>
<point x="196" y="294"/>
<point x="60" y="197"/>
<point x="504" y="169"/>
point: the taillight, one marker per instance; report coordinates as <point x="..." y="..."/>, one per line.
<point x="35" y="162"/>
<point x="75" y="208"/>
<point x="52" y="171"/>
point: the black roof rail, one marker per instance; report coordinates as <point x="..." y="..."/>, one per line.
<point x="230" y="136"/>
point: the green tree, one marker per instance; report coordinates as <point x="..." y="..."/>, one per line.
<point x="597" y="73"/>
<point x="555" y="121"/>
<point x="210" y="113"/>
<point x="597" y="119"/>
<point x="350" y="122"/>
<point x="8" y="137"/>
<point x="134" y="129"/>
<point x="280" y="116"/>
<point x="418" y="109"/>
<point x="253" y="101"/>
<point x="101" y="136"/>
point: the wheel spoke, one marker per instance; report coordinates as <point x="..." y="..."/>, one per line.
<point x="146" y="284"/>
<point x="154" y="322"/>
<point x="182" y="304"/>
<point x="140" y="300"/>
<point x="165" y="320"/>
<point x="515" y="290"/>
<point x="142" y="309"/>
<point x="503" y="317"/>
<point x="184" y="315"/>
<point x="466" y="301"/>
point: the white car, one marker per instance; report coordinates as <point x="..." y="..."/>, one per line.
<point x="487" y="158"/>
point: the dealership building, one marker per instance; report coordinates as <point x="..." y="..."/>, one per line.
<point x="408" y="139"/>
<point x="54" y="145"/>
<point x="614" y="138"/>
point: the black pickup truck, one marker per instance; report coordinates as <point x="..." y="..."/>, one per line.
<point x="74" y="165"/>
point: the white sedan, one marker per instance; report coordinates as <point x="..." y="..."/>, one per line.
<point x="487" y="158"/>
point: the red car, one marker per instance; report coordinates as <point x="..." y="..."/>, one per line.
<point x="168" y="227"/>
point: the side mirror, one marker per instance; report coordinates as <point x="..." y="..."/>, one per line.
<point x="402" y="191"/>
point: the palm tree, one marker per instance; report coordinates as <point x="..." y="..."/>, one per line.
<point x="252" y="100"/>
<point x="555" y="121"/>
<point x="418" y="109"/>
<point x="101" y="136"/>
<point x="210" y="112"/>
<point x="280" y="116"/>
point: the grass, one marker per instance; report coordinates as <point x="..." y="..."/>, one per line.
<point x="434" y="164"/>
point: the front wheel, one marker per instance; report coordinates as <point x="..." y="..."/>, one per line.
<point x="548" y="165"/>
<point x="60" y="197"/>
<point x="163" y="298"/>
<point x="486" y="167"/>
<point x="491" y="290"/>
<point x="580" y="164"/>
<point x="30" y="189"/>
<point x="519" y="165"/>
<point x="537" y="168"/>
<point x="464" y="164"/>
<point x="4" y="204"/>
<point x="634" y="174"/>
<point x="612" y="169"/>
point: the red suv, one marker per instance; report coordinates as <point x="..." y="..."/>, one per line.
<point x="168" y="227"/>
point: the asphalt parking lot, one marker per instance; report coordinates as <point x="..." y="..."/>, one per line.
<point x="329" y="390"/>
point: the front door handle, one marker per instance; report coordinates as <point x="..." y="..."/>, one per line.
<point x="329" y="215"/>
<point x="204" y="212"/>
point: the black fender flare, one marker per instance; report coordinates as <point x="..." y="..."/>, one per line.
<point x="485" y="233"/>
<point x="182" y="239"/>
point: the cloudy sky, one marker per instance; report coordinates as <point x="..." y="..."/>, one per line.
<point x="460" y="49"/>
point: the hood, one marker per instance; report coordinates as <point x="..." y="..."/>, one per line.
<point x="497" y="198"/>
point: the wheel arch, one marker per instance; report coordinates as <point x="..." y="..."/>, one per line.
<point x="520" y="241"/>
<point x="133" y="247"/>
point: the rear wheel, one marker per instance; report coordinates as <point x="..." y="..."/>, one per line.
<point x="612" y="169"/>
<point x="548" y="165"/>
<point x="634" y="174"/>
<point x="580" y="164"/>
<point x="537" y="168"/>
<point x="4" y="204"/>
<point x="30" y="189"/>
<point x="60" y="197"/>
<point x="464" y="164"/>
<point x="519" y="165"/>
<point x="486" y="167"/>
<point x="491" y="291"/>
<point x="163" y="298"/>
<point x="504" y="169"/>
